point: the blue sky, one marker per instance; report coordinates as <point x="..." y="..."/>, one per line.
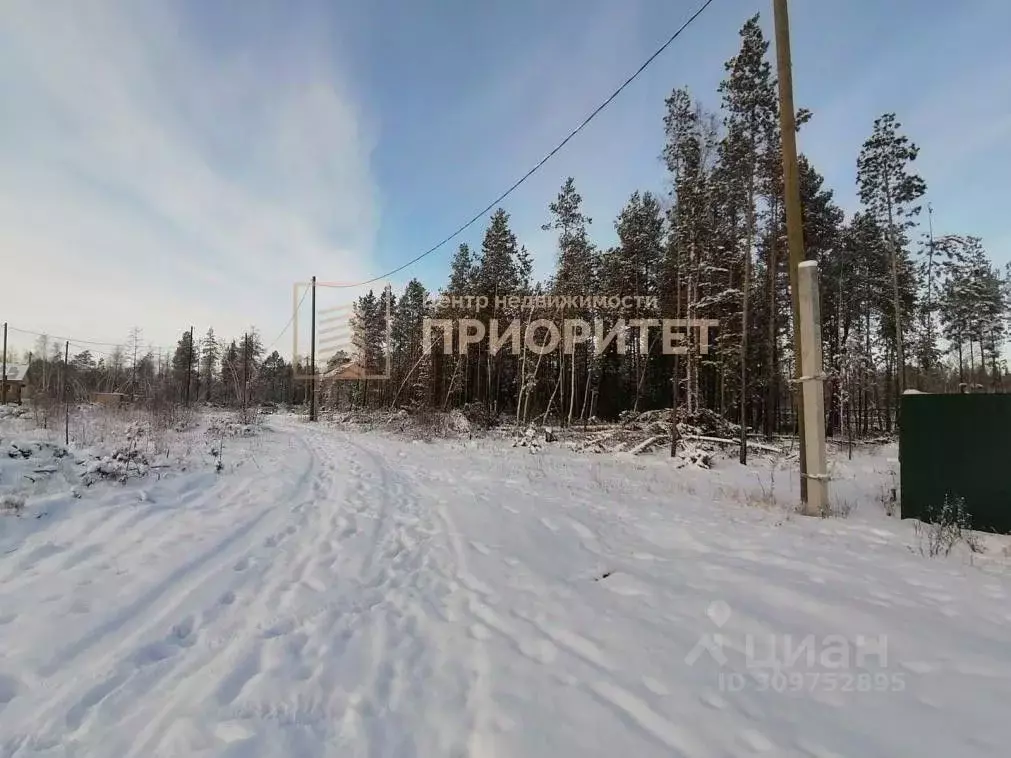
<point x="184" y="162"/>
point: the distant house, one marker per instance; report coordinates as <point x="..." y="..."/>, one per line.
<point x="109" y="399"/>
<point x="349" y="370"/>
<point x="14" y="389"/>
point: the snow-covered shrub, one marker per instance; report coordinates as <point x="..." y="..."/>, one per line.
<point x="478" y="415"/>
<point x="946" y="527"/>
<point x="841" y="508"/>
<point x="458" y="422"/>
<point x="124" y="462"/>
<point x="692" y="456"/>
<point x="534" y="439"/>
<point x="219" y="428"/>
<point x="527" y="439"/>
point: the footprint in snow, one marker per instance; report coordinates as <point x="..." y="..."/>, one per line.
<point x="549" y="525"/>
<point x="233" y="731"/>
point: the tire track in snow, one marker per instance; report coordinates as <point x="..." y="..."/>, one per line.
<point x="419" y="670"/>
<point x="61" y="542"/>
<point x="221" y="684"/>
<point x="226" y="668"/>
<point x="66" y="705"/>
<point x="479" y="741"/>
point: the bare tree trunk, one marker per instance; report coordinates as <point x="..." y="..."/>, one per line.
<point x="900" y="373"/>
<point x="771" y="369"/>
<point x="692" y="297"/>
<point x="745" y="287"/>
<point x="554" y="392"/>
<point x="572" y="384"/>
<point x="561" y="386"/>
<point x="586" y="388"/>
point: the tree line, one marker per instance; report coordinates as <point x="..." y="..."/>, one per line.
<point x="901" y="307"/>
<point x="198" y="370"/>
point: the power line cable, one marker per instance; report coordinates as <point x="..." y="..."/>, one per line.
<point x="78" y="342"/>
<point x="290" y="322"/>
<point x="543" y="160"/>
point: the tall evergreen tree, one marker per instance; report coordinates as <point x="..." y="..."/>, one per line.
<point x="889" y="192"/>
<point x="210" y="353"/>
<point x="575" y="272"/>
<point x="184" y="363"/>
<point x="749" y="98"/>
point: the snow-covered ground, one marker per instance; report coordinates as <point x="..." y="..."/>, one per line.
<point x="330" y="593"/>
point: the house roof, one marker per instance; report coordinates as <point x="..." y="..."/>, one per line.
<point x="16" y="373"/>
<point x="349" y="370"/>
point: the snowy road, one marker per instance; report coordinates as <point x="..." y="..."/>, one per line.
<point x="348" y="595"/>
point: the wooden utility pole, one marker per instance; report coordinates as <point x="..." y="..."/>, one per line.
<point x="3" y="378"/>
<point x="295" y="303"/>
<point x="813" y="390"/>
<point x="63" y="389"/>
<point x="794" y="219"/>
<point x="312" y="359"/>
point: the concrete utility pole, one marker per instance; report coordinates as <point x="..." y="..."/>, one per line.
<point x="312" y="359"/>
<point x="794" y="219"/>
<point x="813" y="389"/>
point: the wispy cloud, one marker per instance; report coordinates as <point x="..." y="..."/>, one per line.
<point x="155" y="178"/>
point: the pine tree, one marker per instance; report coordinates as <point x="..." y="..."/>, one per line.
<point x="231" y="370"/>
<point x="496" y="275"/>
<point x="184" y="361"/>
<point x="454" y="366"/>
<point x="209" y="356"/>
<point x="749" y="97"/>
<point x="575" y="272"/>
<point x="411" y="362"/>
<point x="889" y="193"/>
<point x="633" y="270"/>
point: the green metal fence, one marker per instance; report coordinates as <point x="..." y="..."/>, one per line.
<point x="957" y="445"/>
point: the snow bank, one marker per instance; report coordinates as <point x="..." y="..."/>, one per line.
<point x="107" y="445"/>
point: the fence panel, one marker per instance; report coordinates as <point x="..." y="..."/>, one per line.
<point x="957" y="445"/>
